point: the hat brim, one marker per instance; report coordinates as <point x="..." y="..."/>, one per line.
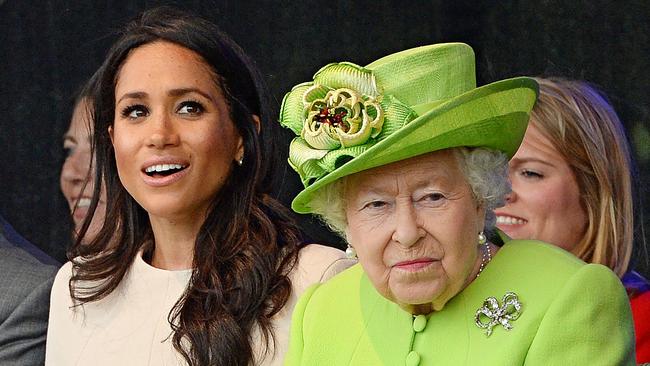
<point x="493" y="116"/>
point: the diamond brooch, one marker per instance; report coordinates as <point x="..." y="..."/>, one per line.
<point x="492" y="313"/>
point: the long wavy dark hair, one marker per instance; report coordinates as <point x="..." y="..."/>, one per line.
<point x="247" y="245"/>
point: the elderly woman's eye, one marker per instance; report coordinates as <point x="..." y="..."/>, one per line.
<point x="191" y="108"/>
<point x="375" y="204"/>
<point x="433" y="197"/>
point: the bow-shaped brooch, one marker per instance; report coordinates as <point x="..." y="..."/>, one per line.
<point x="492" y="313"/>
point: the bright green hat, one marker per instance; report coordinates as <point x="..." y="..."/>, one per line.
<point x="353" y="118"/>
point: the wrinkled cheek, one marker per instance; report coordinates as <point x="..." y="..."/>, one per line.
<point x="459" y="269"/>
<point x="383" y="283"/>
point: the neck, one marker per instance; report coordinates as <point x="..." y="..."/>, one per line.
<point x="421" y="309"/>
<point x="485" y="254"/>
<point x="173" y="242"/>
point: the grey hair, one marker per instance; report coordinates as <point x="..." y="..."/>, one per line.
<point x="485" y="170"/>
<point x="329" y="205"/>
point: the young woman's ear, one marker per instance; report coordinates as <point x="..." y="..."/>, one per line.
<point x="239" y="155"/>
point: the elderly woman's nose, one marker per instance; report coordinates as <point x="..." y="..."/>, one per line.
<point x="162" y="132"/>
<point x="407" y="230"/>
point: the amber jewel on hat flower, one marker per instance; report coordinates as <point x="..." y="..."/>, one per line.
<point x="343" y="117"/>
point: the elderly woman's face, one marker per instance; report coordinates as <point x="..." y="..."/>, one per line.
<point x="414" y="225"/>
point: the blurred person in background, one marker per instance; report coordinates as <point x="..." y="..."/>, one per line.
<point x="572" y="186"/>
<point x="77" y="174"/>
<point x="26" y="275"/>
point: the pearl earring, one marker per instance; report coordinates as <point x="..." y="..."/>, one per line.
<point x="481" y="238"/>
<point x="487" y="255"/>
<point x="350" y="252"/>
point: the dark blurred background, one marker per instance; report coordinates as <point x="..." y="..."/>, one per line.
<point x="49" y="48"/>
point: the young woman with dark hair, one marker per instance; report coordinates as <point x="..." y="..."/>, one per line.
<point x="76" y="178"/>
<point x="207" y="266"/>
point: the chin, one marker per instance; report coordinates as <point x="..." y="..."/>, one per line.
<point x="173" y="210"/>
<point x="163" y="211"/>
<point x="512" y="232"/>
<point x="416" y="297"/>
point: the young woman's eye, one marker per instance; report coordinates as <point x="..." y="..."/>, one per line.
<point x="526" y="173"/>
<point x="191" y="108"/>
<point x="134" y="111"/>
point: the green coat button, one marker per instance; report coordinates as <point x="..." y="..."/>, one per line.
<point x="413" y="359"/>
<point x="419" y="323"/>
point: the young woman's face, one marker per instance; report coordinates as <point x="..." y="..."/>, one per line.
<point x="77" y="170"/>
<point x="545" y="200"/>
<point x="174" y="141"/>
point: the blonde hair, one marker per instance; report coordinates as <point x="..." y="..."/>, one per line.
<point x="585" y="129"/>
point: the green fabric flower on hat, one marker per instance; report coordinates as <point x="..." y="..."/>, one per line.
<point x="338" y="116"/>
<point x="341" y="118"/>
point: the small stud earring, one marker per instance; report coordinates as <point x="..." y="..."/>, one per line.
<point x="240" y="162"/>
<point x="350" y="252"/>
<point x="481" y="238"/>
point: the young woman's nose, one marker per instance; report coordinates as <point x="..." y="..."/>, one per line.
<point x="163" y="132"/>
<point x="511" y="197"/>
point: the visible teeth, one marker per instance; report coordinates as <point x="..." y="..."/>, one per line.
<point x="507" y="220"/>
<point x="83" y="202"/>
<point x="163" y="167"/>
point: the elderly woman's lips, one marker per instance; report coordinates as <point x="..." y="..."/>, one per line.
<point x="414" y="265"/>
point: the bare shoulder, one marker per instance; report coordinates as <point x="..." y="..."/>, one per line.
<point x="318" y="263"/>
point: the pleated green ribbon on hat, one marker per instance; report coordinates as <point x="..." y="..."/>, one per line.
<point x="337" y="117"/>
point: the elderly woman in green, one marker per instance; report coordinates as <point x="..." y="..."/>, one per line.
<point x="407" y="159"/>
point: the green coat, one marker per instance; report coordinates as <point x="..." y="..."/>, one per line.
<point x="572" y="314"/>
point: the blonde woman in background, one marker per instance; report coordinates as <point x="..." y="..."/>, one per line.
<point x="572" y="186"/>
